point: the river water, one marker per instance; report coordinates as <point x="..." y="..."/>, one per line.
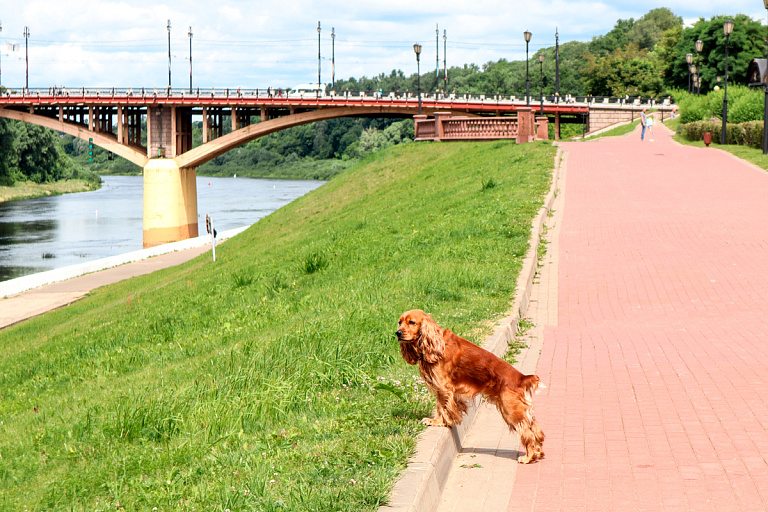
<point x="53" y="232"/>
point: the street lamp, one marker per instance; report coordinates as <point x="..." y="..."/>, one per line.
<point x="727" y="29"/>
<point x="26" y="57"/>
<point x="527" y="36"/>
<point x="765" y="107"/>
<point x="169" y="56"/>
<point x="557" y="66"/>
<point x="699" y="48"/>
<point x="541" y="81"/>
<point x="417" y="50"/>
<point x="318" y="59"/>
<point x="689" y="61"/>
<point x="1" y="64"/>
<point x="333" y="58"/>
<point x="445" y="69"/>
<point x="190" y="59"/>
<point x="695" y="77"/>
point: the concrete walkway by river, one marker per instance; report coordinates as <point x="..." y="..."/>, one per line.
<point x="651" y="319"/>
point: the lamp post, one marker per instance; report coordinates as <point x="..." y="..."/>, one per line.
<point x="26" y="58"/>
<point x="169" y="56"/>
<point x="727" y="29"/>
<point x="765" y="107"/>
<point x="318" y="59"/>
<point x="689" y="61"/>
<point x="699" y="48"/>
<point x="527" y="36"/>
<point x="694" y="77"/>
<point x="541" y="82"/>
<point x="437" y="55"/>
<point x="333" y="58"/>
<point x="445" y="69"/>
<point x="1" y="63"/>
<point x="190" y="58"/>
<point x="557" y="65"/>
<point x="417" y="50"/>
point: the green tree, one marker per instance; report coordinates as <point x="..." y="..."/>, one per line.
<point x="746" y="42"/>
<point x="7" y="152"/>
<point x="37" y="152"/>
<point x="625" y="71"/>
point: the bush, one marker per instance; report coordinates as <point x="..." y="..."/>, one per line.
<point x="745" y="134"/>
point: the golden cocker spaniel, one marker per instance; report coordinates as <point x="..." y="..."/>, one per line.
<point x="455" y="370"/>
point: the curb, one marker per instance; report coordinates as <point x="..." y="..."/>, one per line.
<point x="420" y="486"/>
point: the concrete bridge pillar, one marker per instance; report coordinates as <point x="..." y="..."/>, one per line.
<point x="170" y="202"/>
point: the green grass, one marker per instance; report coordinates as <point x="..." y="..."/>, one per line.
<point x="271" y="379"/>
<point x="750" y="154"/>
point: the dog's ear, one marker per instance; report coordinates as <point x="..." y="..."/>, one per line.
<point x="431" y="340"/>
<point x="408" y="350"/>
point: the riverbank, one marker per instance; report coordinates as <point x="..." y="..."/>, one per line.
<point x="271" y="378"/>
<point x="29" y="190"/>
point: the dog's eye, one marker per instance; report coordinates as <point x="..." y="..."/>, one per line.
<point x="412" y="322"/>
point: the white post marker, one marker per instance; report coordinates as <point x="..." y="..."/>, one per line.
<point x="212" y="231"/>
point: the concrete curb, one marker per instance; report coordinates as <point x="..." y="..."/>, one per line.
<point x="22" y="284"/>
<point x="420" y="487"/>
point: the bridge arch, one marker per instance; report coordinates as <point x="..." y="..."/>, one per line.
<point x="135" y="154"/>
<point x="202" y="154"/>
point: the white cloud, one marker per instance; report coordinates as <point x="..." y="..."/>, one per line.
<point x="257" y="44"/>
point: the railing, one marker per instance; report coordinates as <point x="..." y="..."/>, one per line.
<point x="463" y="128"/>
<point x="278" y="93"/>
<point x="444" y="127"/>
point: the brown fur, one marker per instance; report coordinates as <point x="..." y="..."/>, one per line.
<point x="456" y="370"/>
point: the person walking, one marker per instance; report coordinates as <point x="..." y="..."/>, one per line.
<point x="643" y="121"/>
<point x="649" y="124"/>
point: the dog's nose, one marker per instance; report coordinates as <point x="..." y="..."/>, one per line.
<point x="398" y="333"/>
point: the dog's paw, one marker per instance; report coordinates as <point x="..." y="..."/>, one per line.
<point x="433" y="422"/>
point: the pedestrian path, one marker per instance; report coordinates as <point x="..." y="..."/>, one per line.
<point x="29" y="296"/>
<point x="654" y="344"/>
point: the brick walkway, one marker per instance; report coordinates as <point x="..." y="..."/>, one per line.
<point x="658" y="365"/>
<point x="656" y="360"/>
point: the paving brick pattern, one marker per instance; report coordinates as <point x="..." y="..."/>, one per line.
<point x="657" y="362"/>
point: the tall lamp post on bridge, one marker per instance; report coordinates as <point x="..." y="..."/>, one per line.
<point x="26" y="58"/>
<point x="333" y="58"/>
<point x="190" y="59"/>
<point x="318" y="59"/>
<point x="699" y="48"/>
<point x="557" y="65"/>
<point x="541" y="82"/>
<point x="527" y="36"/>
<point x="169" y="56"/>
<point x="727" y="29"/>
<point x="445" y="69"/>
<point x="417" y="50"/>
<point x="1" y="64"/>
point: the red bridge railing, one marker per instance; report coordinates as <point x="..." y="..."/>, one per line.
<point x="444" y="127"/>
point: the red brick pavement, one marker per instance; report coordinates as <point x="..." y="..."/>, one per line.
<point x="657" y="371"/>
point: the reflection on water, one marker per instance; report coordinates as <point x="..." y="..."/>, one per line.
<point x="52" y="232"/>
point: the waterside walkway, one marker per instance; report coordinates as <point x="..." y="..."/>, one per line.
<point x="650" y="317"/>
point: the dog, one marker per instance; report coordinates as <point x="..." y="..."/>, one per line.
<point x="456" y="370"/>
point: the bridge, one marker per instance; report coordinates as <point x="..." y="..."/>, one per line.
<point x="153" y="128"/>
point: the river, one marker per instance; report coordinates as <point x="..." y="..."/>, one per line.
<point x="53" y="232"/>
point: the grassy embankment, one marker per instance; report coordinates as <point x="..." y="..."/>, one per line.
<point x="270" y="380"/>
<point x="28" y="189"/>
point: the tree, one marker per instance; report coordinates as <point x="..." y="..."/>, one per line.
<point x="37" y="152"/>
<point x="650" y="29"/>
<point x="746" y="43"/>
<point x="7" y="152"/>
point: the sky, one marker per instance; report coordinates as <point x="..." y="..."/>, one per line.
<point x="259" y="44"/>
